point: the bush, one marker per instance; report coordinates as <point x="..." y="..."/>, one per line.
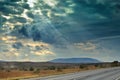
<point x="96" y="65"/>
<point x="37" y="71"/>
<point x="115" y="64"/>
<point x="82" y="66"/>
<point x="52" y="68"/>
<point x="31" y="69"/>
<point x="59" y="69"/>
<point x="8" y="70"/>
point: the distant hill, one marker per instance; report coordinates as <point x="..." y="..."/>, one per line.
<point x="75" y="60"/>
<point x="2" y="61"/>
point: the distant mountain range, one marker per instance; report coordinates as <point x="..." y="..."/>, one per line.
<point x="75" y="60"/>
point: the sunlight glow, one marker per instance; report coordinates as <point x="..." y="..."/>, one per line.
<point x="51" y="3"/>
<point x="31" y="2"/>
<point x="43" y="53"/>
<point x="25" y="16"/>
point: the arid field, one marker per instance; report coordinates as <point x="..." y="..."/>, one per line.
<point x="45" y="69"/>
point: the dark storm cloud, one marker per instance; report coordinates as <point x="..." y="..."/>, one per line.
<point x="93" y="31"/>
<point x="106" y="8"/>
<point x="17" y="45"/>
<point x="38" y="48"/>
<point x="31" y="32"/>
<point x="91" y="24"/>
<point x="105" y="29"/>
<point x="90" y="19"/>
<point x="46" y="33"/>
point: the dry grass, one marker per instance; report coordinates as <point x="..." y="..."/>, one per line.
<point x="24" y="74"/>
<point x="12" y="74"/>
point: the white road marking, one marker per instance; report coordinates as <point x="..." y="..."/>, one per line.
<point x="117" y="78"/>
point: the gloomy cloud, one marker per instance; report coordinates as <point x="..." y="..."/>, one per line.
<point x="40" y="30"/>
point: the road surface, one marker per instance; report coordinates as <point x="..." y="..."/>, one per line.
<point x="99" y="74"/>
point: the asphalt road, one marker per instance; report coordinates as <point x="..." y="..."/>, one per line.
<point x="99" y="74"/>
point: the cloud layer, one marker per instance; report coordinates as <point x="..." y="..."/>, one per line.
<point x="42" y="30"/>
<point x="13" y="48"/>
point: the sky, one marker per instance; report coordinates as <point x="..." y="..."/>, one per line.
<point x="60" y="29"/>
